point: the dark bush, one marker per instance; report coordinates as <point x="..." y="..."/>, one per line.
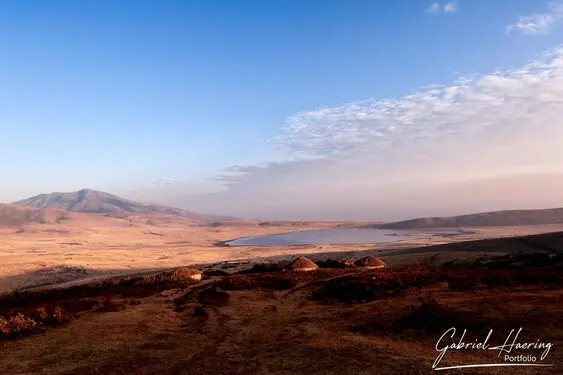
<point x="334" y="263"/>
<point x="266" y="267"/>
<point x="358" y="289"/>
<point x="215" y="272"/>
<point x="239" y="282"/>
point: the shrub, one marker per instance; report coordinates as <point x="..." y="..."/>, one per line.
<point x="58" y="314"/>
<point x="16" y="325"/>
<point x="266" y="267"/>
<point x="334" y="263"/>
<point x="239" y="282"/>
<point x="215" y="272"/>
<point x="358" y="289"/>
<point x="42" y="313"/>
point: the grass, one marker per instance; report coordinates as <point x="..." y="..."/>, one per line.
<point x="27" y="312"/>
<point x="384" y="283"/>
<point x="270" y="322"/>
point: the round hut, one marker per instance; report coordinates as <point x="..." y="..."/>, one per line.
<point x="369" y="262"/>
<point x="185" y="273"/>
<point x="302" y="264"/>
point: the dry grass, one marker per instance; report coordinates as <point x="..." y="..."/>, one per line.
<point x="46" y="254"/>
<point x="331" y="320"/>
<point x="27" y="312"/>
<point x="208" y="329"/>
<point x="89" y="246"/>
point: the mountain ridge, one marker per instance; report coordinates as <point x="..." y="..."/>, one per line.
<point x="91" y="201"/>
<point x="481" y="219"/>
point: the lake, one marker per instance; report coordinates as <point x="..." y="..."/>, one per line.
<point x="341" y="237"/>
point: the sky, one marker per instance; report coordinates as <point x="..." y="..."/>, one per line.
<point x="286" y="109"/>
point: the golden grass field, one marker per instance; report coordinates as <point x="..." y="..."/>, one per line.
<point x="90" y="246"/>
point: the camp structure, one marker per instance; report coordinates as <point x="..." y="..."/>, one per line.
<point x="302" y="264"/>
<point x="369" y="262"/>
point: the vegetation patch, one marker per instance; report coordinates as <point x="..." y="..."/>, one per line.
<point x="241" y="282"/>
<point x="215" y="272"/>
<point x="335" y="263"/>
<point x="25" y="312"/>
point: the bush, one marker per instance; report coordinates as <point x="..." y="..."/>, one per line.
<point x="266" y="267"/>
<point x="334" y="263"/>
<point x="240" y="282"/>
<point x="215" y="272"/>
<point x="359" y="289"/>
<point x="20" y="324"/>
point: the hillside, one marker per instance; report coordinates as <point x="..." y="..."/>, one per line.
<point x="485" y="219"/>
<point x="96" y="202"/>
<point x="326" y="321"/>
<point x="12" y="215"/>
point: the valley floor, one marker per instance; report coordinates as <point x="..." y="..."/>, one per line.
<point x="95" y="247"/>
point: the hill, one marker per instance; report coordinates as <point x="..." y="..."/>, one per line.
<point x="12" y="215"/>
<point x="96" y="202"/>
<point x="485" y="219"/>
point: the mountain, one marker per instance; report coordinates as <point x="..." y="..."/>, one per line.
<point x="96" y="202"/>
<point x="485" y="219"/>
<point x="12" y="215"/>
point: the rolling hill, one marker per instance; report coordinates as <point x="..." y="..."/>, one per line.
<point x="485" y="219"/>
<point x="12" y="215"/>
<point x="96" y="202"/>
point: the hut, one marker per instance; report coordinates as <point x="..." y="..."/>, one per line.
<point x="184" y="273"/>
<point x="369" y="262"/>
<point x="302" y="264"/>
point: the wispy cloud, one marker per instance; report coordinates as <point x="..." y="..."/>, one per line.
<point x="433" y="9"/>
<point x="539" y="23"/>
<point x="450" y="7"/>
<point x="166" y="182"/>
<point x="436" y="8"/>
<point x="478" y="143"/>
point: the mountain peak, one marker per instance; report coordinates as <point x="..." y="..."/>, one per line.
<point x="97" y="202"/>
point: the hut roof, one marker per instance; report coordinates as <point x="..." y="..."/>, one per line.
<point x="185" y="272"/>
<point x="301" y="263"/>
<point x="369" y="261"/>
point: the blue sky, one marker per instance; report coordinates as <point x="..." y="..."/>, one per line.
<point x="155" y="100"/>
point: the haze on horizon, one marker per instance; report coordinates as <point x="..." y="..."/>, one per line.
<point x="263" y="133"/>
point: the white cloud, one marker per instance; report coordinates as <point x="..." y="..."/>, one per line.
<point x="450" y="7"/>
<point x="436" y="8"/>
<point x="478" y="143"/>
<point x="433" y="9"/>
<point x="539" y="23"/>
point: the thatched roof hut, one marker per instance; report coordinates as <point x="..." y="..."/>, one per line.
<point x="369" y="262"/>
<point x="185" y="273"/>
<point x="302" y="264"/>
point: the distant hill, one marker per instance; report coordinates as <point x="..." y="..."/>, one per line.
<point x="12" y="215"/>
<point x="96" y="202"/>
<point x="485" y="219"/>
